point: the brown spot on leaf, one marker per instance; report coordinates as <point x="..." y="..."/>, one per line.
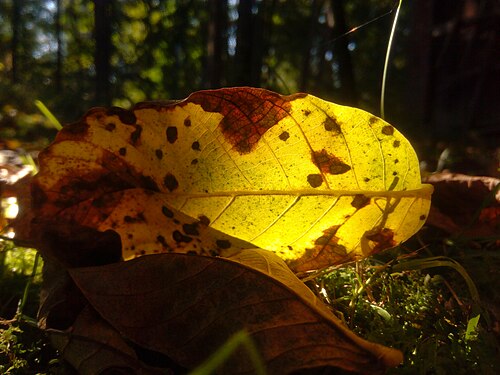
<point x="396" y="143"/>
<point x="179" y="237"/>
<point x="422" y="217"/>
<point x="194" y="161"/>
<point x="360" y="201"/>
<point x="76" y="128"/>
<point x="306" y="112"/>
<point x="396" y="161"/>
<point x="284" y="136"/>
<point x="204" y="220"/>
<point x="171" y="134"/>
<point x="99" y="202"/>
<point x="223" y="244"/>
<point x="331" y="125"/>
<point x="339" y="168"/>
<point x="126" y="117"/>
<point x="196" y="146"/>
<point x="366" y="179"/>
<point x="147" y="182"/>
<point x="159" y="154"/>
<point x="187" y="121"/>
<point x="167" y="212"/>
<point x="162" y="241"/>
<point x="191" y="229"/>
<point x="136" y="134"/>
<point x="315" y="180"/>
<point x="110" y="127"/>
<point x="388" y="130"/>
<point x="384" y="239"/>
<point x="248" y="112"/>
<point x="122" y="151"/>
<point x="326" y="251"/>
<point x="372" y="120"/>
<point x="139" y="218"/>
<point x="170" y="182"/>
<point x="328" y="163"/>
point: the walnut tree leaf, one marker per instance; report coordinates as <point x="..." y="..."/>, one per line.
<point x="314" y="182"/>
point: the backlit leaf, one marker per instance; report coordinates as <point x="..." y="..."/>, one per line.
<point x="315" y="182"/>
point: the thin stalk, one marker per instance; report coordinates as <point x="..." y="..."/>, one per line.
<point x="386" y="64"/>
<point x="22" y="303"/>
<point x="46" y="112"/>
<point x="226" y="350"/>
<point x="442" y="261"/>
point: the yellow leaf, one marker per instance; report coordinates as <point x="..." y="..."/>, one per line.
<point x="314" y="182"/>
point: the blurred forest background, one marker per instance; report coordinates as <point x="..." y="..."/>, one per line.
<point x="443" y="93"/>
<point x="443" y="79"/>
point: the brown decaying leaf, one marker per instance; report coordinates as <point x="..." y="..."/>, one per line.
<point x="92" y="346"/>
<point x="187" y="306"/>
<point x="82" y="337"/>
<point x="456" y="200"/>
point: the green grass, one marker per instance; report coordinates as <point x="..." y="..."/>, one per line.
<point x="432" y="314"/>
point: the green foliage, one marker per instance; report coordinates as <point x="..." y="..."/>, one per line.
<point x="11" y="351"/>
<point x="426" y="313"/>
<point x="159" y="51"/>
<point x="240" y="338"/>
<point x="24" y="349"/>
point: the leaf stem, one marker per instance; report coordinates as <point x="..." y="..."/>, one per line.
<point x="20" y="307"/>
<point x="46" y="112"/>
<point x="386" y="63"/>
<point x="227" y="349"/>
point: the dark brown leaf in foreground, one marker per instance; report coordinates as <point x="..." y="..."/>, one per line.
<point x="91" y="346"/>
<point x="81" y="336"/>
<point x="187" y="306"/>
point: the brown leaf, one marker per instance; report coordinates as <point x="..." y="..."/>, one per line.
<point x="187" y="306"/>
<point x="457" y="199"/>
<point x="92" y="346"/>
<point x="82" y="337"/>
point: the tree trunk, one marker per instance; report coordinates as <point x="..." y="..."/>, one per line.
<point x="217" y="42"/>
<point x="261" y="35"/>
<point x="102" y="35"/>
<point x="244" y="41"/>
<point x="420" y="95"/>
<point x="58" y="75"/>
<point x="348" y="93"/>
<point x="16" y="26"/>
<point x="305" y="70"/>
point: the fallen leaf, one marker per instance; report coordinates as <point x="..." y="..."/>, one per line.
<point x="86" y="341"/>
<point x="479" y="208"/>
<point x="92" y="347"/>
<point x="187" y="306"/>
<point x="314" y="182"/>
